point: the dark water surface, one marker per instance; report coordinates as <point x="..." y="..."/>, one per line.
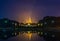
<point x="26" y="37"/>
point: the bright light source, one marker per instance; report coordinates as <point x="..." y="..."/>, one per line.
<point x="28" y="24"/>
<point x="38" y="24"/>
<point x="41" y="24"/>
<point x="28" y="31"/>
<point x="52" y="21"/>
<point x="15" y="33"/>
<point x="29" y="20"/>
<point x="15" y="24"/>
<point x="41" y="33"/>
<point x="5" y="21"/>
<point x="29" y="35"/>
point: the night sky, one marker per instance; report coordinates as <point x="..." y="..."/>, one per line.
<point x="20" y="10"/>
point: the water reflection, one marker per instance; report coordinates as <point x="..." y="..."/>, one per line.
<point x="26" y="37"/>
<point x="30" y="37"/>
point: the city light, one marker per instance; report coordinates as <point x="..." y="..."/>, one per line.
<point x="41" y="33"/>
<point x="38" y="24"/>
<point x="29" y="20"/>
<point x="28" y="24"/>
<point x="38" y="32"/>
<point x="41" y="24"/>
<point x="5" y="21"/>
<point x="15" y="24"/>
<point x="53" y="21"/>
<point x="27" y="35"/>
<point x="15" y="33"/>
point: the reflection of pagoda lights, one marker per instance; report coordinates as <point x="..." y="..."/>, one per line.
<point x="29" y="35"/>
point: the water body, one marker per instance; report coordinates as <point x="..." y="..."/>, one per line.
<point x="26" y="37"/>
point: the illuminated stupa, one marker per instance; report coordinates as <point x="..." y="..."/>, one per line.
<point x="29" y="20"/>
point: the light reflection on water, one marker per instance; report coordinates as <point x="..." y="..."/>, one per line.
<point x="30" y="37"/>
<point x="26" y="37"/>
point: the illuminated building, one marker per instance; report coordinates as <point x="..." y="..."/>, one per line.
<point x="29" y="20"/>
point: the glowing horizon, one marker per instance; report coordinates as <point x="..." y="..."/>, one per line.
<point x="27" y="17"/>
<point x="29" y="20"/>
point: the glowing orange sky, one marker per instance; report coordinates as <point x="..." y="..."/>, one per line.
<point x="26" y="17"/>
<point x="29" y="20"/>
